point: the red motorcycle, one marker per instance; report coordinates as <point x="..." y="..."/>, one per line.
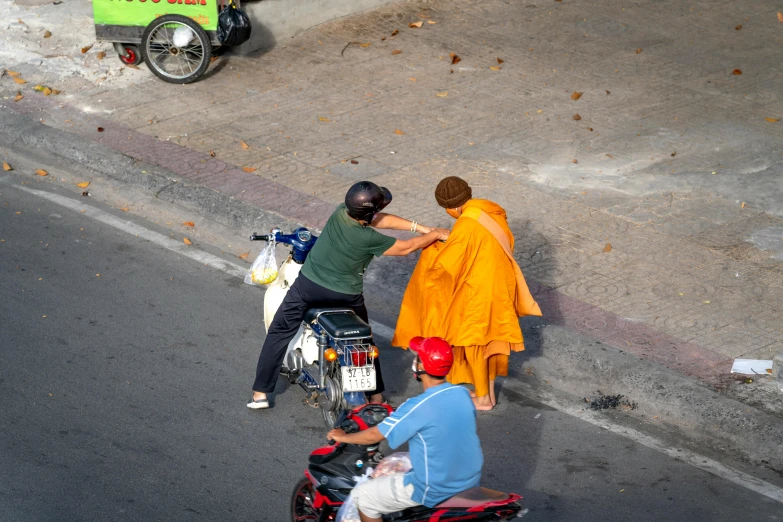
<point x="329" y="479"/>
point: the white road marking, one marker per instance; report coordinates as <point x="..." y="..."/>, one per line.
<point x="381" y="330"/>
<point x="694" y="459"/>
<point x="132" y="228"/>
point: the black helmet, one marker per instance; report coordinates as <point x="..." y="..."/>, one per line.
<point x="364" y="199"/>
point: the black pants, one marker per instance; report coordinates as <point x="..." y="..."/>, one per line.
<point x="302" y="295"/>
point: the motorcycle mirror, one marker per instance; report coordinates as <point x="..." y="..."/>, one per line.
<point x="341" y="418"/>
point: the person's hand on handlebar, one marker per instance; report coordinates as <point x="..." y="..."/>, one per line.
<point x="336" y="435"/>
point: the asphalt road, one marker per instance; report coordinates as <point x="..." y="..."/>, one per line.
<point x="124" y="372"/>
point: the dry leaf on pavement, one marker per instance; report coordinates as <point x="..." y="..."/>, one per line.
<point x="431" y="22"/>
<point x="780" y="17"/>
<point x="398" y="131"/>
<point x="738" y="27"/>
<point x="47" y="34"/>
<point x="412" y="79"/>
<point x="86" y="48"/>
<point x="189" y="224"/>
<point x="83" y="184"/>
<point x="639" y="50"/>
<point x="321" y="118"/>
<point x="248" y="169"/>
<point x="415" y="25"/>
<point x="396" y="51"/>
<point x="101" y="55"/>
<point x="736" y="72"/>
<point x="11" y="73"/>
<point x="243" y="256"/>
<point x="187" y="241"/>
<point x="100" y="129"/>
<point x="365" y="44"/>
<point x="495" y="68"/>
<point x="574" y="161"/>
<point x="608" y="247"/>
<point x="772" y="120"/>
<point x="743" y="205"/>
<point x="455" y="59"/>
<point x="124" y="209"/>
<point x="41" y="172"/>
<point x="500" y="60"/>
<point x="18" y="96"/>
<point x="576" y="95"/>
<point x="609" y="156"/>
<point x="244" y="145"/>
<point x="212" y="153"/>
<point x="19" y="80"/>
<point x="442" y="94"/>
<point x="395" y="32"/>
<point x="7" y="167"/>
<point x="577" y="117"/>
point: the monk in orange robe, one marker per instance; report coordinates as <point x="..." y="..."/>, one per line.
<point x="469" y="291"/>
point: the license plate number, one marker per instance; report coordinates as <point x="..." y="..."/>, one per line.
<point x="358" y="378"/>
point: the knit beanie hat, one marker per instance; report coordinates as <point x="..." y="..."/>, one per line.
<point x="453" y="192"/>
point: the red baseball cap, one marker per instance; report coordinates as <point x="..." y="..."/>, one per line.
<point x="435" y="354"/>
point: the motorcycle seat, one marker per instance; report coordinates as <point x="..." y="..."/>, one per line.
<point x="474" y="497"/>
<point x="339" y="323"/>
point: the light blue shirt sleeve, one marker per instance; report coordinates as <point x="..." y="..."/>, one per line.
<point x="403" y="424"/>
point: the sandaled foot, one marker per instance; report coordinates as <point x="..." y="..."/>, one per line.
<point x="482" y="406"/>
<point x="258" y="404"/>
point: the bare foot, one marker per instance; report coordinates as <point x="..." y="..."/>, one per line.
<point x="376" y="398"/>
<point x="472" y="394"/>
<point x="258" y="395"/>
<point x="492" y="398"/>
<point x="482" y="403"/>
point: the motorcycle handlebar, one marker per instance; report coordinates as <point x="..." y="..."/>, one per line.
<point x="257" y="237"/>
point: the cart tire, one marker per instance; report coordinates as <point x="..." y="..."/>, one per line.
<point x="171" y="63"/>
<point x="134" y="55"/>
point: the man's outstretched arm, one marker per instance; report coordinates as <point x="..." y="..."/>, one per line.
<point x="362" y="438"/>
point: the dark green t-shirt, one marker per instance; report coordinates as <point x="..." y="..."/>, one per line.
<point x="343" y="252"/>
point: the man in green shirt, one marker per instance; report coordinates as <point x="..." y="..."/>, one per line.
<point x="333" y="275"/>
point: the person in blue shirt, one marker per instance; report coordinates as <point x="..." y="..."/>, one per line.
<point x="440" y="428"/>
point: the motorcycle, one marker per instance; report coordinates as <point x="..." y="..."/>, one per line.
<point x="332" y="355"/>
<point x="333" y="470"/>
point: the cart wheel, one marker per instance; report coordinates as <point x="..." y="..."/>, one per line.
<point x="176" y="49"/>
<point x="134" y="55"/>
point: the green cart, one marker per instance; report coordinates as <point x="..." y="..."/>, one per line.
<point x="174" y="38"/>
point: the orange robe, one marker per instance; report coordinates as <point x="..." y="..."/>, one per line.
<point x="466" y="290"/>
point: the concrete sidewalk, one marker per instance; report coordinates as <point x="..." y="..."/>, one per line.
<point x="635" y="147"/>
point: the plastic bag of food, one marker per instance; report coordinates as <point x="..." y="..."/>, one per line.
<point x="399" y="462"/>
<point x="394" y="463"/>
<point x="263" y="272"/>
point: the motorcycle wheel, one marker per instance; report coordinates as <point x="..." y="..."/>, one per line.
<point x="302" y="502"/>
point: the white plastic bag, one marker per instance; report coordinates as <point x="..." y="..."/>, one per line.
<point x="395" y="463"/>
<point x="399" y="462"/>
<point x="263" y="272"/>
<point x="348" y="511"/>
<point x="182" y="36"/>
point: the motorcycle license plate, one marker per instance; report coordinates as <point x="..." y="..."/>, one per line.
<point x="358" y="378"/>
